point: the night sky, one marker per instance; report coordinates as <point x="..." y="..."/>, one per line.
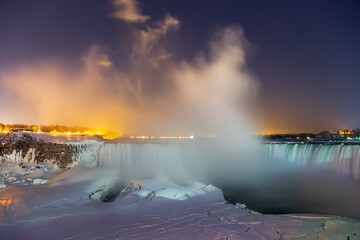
<point x="303" y="55"/>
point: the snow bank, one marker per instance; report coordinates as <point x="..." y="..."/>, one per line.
<point x="156" y="209"/>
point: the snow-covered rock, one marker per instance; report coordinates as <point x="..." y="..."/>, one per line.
<point x="40" y="181"/>
<point x="14" y="167"/>
<point x="240" y="206"/>
<point x="23" y="173"/>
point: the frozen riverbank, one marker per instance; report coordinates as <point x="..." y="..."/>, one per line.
<point x="26" y="160"/>
<point x="64" y="208"/>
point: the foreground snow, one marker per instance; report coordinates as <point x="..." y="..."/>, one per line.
<point x="26" y="172"/>
<point x="69" y="207"/>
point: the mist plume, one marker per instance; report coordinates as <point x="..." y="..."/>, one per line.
<point x="157" y="95"/>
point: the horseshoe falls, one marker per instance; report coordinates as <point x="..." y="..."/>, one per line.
<point x="182" y="161"/>
<point x="143" y="159"/>
<point x="174" y="158"/>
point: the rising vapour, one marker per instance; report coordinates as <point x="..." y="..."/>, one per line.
<point x="155" y="95"/>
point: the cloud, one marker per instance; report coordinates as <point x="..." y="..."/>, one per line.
<point x="128" y="10"/>
<point x="148" y="57"/>
<point x="147" y="41"/>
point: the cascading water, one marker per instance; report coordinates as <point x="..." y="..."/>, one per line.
<point x="200" y="160"/>
<point x="339" y="158"/>
<point x="134" y="160"/>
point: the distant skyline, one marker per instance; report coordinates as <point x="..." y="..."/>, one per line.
<point x="303" y="56"/>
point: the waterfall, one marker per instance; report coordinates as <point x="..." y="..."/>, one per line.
<point x="173" y="159"/>
<point x="144" y="159"/>
<point x="339" y="158"/>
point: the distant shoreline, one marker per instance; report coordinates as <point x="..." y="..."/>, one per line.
<point x="346" y="142"/>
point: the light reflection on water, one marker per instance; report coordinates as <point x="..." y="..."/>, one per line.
<point x="9" y="208"/>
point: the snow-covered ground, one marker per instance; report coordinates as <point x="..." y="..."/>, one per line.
<point x="69" y="207"/>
